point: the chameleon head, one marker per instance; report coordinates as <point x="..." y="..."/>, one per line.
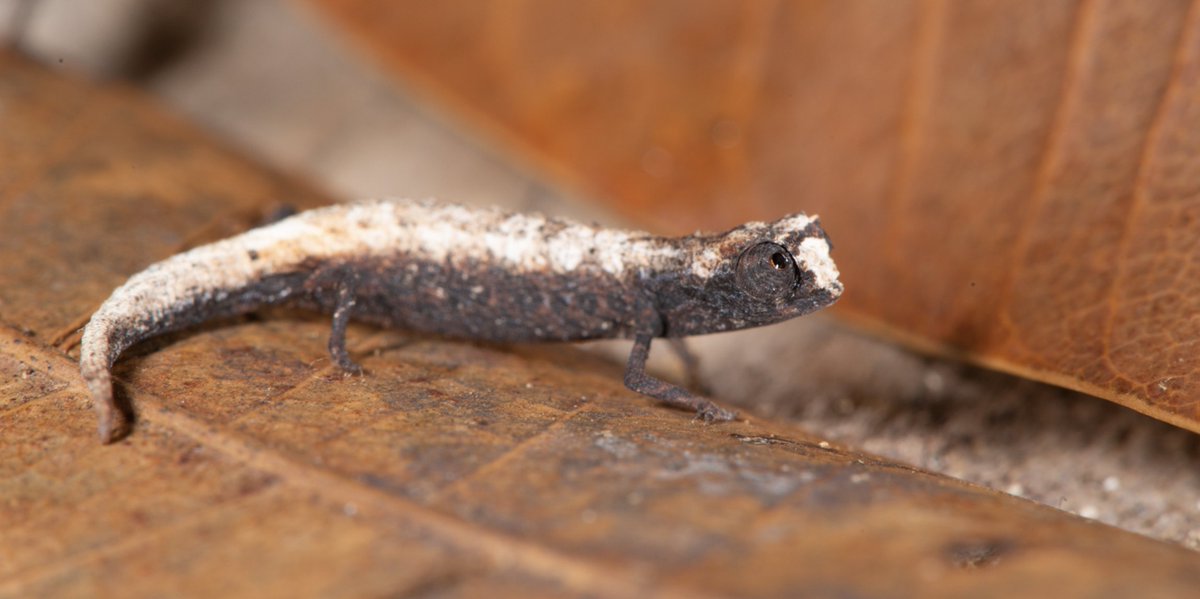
<point x="758" y="274"/>
<point x="786" y="266"/>
<point x="789" y="261"/>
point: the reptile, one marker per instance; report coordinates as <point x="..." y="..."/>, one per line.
<point x="475" y="273"/>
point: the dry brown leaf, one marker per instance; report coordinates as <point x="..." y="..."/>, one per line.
<point x="257" y="469"/>
<point x="1015" y="183"/>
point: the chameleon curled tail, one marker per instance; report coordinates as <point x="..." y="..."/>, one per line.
<point x="264" y="266"/>
<point x="225" y="278"/>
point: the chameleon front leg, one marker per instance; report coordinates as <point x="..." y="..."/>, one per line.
<point x="636" y="379"/>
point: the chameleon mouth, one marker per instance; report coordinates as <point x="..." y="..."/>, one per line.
<point x="813" y="256"/>
<point x="836" y="290"/>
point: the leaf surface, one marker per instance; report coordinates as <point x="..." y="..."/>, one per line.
<point x="1013" y="183"/>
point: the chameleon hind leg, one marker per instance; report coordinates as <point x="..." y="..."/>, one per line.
<point x="337" y="336"/>
<point x="636" y="379"/>
<point x="691" y="365"/>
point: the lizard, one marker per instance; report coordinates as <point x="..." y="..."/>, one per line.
<point x="475" y="273"/>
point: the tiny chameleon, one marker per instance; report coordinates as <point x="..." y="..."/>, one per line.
<point x="481" y="274"/>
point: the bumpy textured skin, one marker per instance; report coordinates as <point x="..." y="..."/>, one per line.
<point x="478" y="274"/>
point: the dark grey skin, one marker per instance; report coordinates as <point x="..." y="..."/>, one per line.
<point x="476" y="274"/>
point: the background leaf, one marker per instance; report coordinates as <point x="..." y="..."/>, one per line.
<point x="1012" y="183"/>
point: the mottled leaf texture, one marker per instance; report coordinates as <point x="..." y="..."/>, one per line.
<point x="448" y="469"/>
<point x="1017" y="183"/>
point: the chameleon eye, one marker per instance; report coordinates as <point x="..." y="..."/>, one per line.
<point x="766" y="270"/>
<point x="780" y="261"/>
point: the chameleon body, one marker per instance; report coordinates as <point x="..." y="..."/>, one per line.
<point x="480" y="274"/>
